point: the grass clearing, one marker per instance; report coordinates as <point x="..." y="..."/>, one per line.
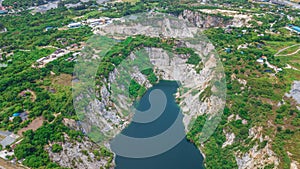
<point x="292" y="50"/>
<point x="62" y="80"/>
<point x="274" y="45"/>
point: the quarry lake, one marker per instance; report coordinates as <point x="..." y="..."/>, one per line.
<point x="184" y="155"/>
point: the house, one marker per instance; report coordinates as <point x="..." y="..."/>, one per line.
<point x="23" y="116"/>
<point x="95" y="21"/>
<point x="74" y="25"/>
<point x="103" y="9"/>
<point x="268" y="71"/>
<point x="293" y="28"/>
<point x="3" y="11"/>
<point x="58" y="51"/>
<point x="16" y="114"/>
<point x="277" y="2"/>
<point x="260" y="60"/>
<point x="49" y="28"/>
<point x="41" y="59"/>
<point x="228" y="50"/>
<point x="228" y="30"/>
<point x="2" y="7"/>
<point x="9" y="138"/>
<point x="264" y="57"/>
<point x="296" y="28"/>
<point x="5" y="153"/>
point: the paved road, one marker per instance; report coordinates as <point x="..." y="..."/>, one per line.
<point x="295" y="5"/>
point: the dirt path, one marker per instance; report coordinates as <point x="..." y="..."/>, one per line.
<point x="7" y="165"/>
<point x="43" y="47"/>
<point x="33" y="95"/>
<point x="290" y="54"/>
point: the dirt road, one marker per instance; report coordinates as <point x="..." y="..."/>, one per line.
<point x="7" y="165"/>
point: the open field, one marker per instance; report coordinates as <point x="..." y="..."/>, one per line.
<point x="34" y="125"/>
<point x="288" y="51"/>
<point x="63" y="80"/>
<point x="277" y="46"/>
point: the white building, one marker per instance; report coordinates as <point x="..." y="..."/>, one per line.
<point x="74" y="25"/>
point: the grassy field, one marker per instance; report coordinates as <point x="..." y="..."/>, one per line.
<point x="276" y="46"/>
<point x="290" y="50"/>
<point x="293" y="60"/>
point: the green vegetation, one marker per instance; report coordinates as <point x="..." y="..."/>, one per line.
<point x="150" y="75"/>
<point x="205" y="94"/>
<point x="32" y="146"/>
<point x="290" y="50"/>
<point x="193" y="59"/>
<point x="256" y="101"/>
<point x="135" y="89"/>
<point x="120" y="51"/>
<point x="23" y="44"/>
<point x="28" y="31"/>
<point x="56" y="148"/>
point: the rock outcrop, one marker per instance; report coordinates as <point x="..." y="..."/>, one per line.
<point x="229" y="139"/>
<point x="78" y="155"/>
<point x="295" y="92"/>
<point x="257" y="157"/>
<point x="205" y="21"/>
<point x="216" y="18"/>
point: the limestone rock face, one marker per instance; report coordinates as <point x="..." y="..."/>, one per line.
<point x="295" y="165"/>
<point x="229" y="139"/>
<point x="257" y="158"/>
<point x="209" y="19"/>
<point x="78" y="155"/>
<point x="295" y="92"/>
<point x="203" y="20"/>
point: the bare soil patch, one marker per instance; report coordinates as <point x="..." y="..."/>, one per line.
<point x="34" y="125"/>
<point x="7" y="165"/>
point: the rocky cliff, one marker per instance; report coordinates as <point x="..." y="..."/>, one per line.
<point x="216" y="18"/>
<point x="204" y="21"/>
<point x="80" y="154"/>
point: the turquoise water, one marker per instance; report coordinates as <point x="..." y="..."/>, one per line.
<point x="183" y="156"/>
